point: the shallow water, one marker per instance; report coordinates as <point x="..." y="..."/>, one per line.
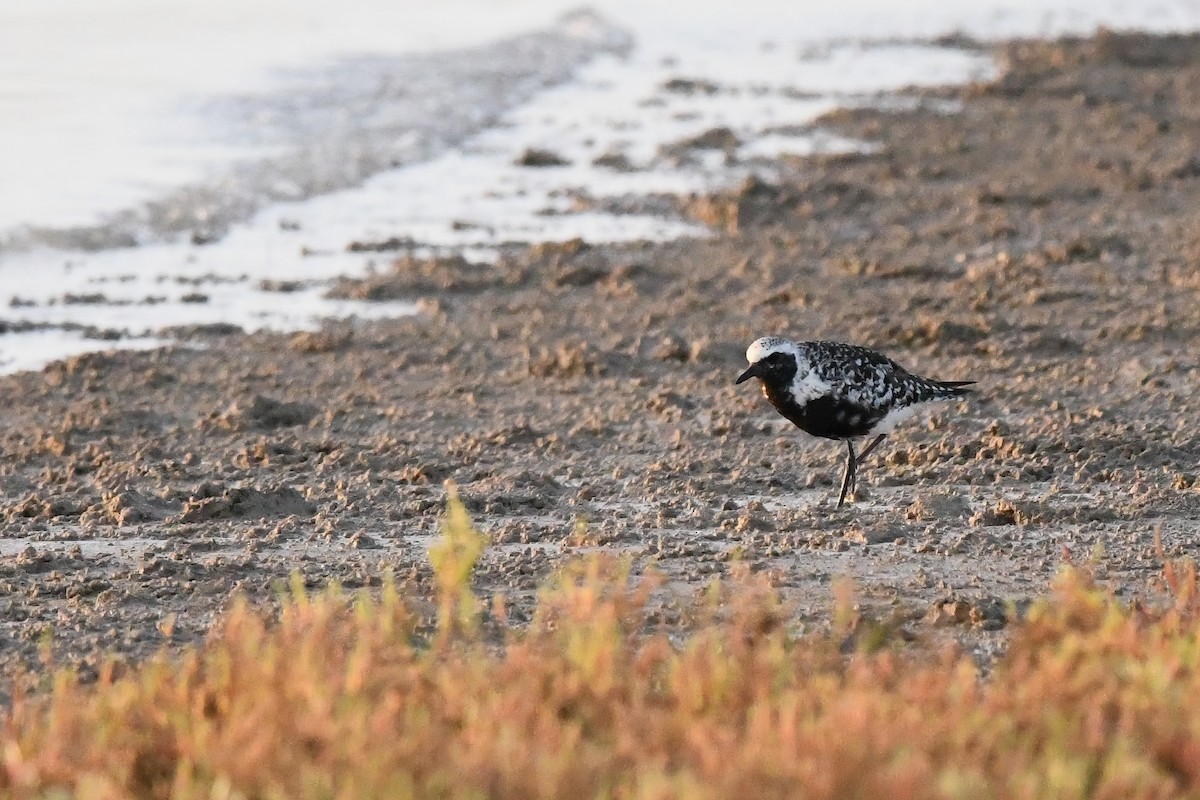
<point x="256" y="141"/>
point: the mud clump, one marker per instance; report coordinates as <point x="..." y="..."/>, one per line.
<point x="128" y="507"/>
<point x="410" y="278"/>
<point x="754" y="203"/>
<point x="986" y="613"/>
<point x="211" y="330"/>
<point x="323" y="341"/>
<point x="534" y="157"/>
<point x="565" y="360"/>
<point x="267" y="412"/>
<point x="690" y="86"/>
<point x="934" y="506"/>
<point x="1009" y="512"/>
<point x="722" y="139"/>
<point x="243" y="503"/>
<point x="877" y="534"/>
<point x="614" y="160"/>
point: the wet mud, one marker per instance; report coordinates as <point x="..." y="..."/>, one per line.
<point x="1037" y="234"/>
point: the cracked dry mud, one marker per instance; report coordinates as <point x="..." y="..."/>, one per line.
<point x="1042" y="239"/>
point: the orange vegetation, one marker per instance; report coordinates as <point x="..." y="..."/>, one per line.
<point x="343" y="697"/>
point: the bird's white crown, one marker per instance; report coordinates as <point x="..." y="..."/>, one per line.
<point x="761" y="348"/>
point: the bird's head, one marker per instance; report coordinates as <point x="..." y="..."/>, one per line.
<point x="773" y="361"/>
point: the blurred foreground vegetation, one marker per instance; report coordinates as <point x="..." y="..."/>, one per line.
<point x="350" y="696"/>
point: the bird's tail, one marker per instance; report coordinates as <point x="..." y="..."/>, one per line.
<point x="953" y="388"/>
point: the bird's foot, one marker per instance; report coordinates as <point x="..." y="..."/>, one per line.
<point x="854" y="495"/>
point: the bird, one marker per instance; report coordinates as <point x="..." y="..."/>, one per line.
<point x="841" y="391"/>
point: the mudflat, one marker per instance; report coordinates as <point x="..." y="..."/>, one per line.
<point x="1038" y="234"/>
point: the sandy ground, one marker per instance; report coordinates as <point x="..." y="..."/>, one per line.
<point x="1038" y="234"/>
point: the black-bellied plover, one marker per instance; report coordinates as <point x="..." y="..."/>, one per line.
<point x="841" y="391"/>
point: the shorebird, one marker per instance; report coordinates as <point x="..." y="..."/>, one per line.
<point x="841" y="391"/>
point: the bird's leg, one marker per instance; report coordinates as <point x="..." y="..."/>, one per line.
<point x="874" y="443"/>
<point x="861" y="456"/>
<point x="847" y="473"/>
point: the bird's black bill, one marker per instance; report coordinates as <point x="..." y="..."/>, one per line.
<point x="747" y="375"/>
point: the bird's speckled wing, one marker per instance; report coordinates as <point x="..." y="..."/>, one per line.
<point x="867" y="379"/>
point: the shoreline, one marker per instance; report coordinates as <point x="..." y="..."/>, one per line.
<point x="1040" y="241"/>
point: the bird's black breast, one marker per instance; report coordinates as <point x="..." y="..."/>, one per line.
<point x="828" y="417"/>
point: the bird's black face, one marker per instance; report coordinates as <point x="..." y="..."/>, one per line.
<point x="776" y="369"/>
